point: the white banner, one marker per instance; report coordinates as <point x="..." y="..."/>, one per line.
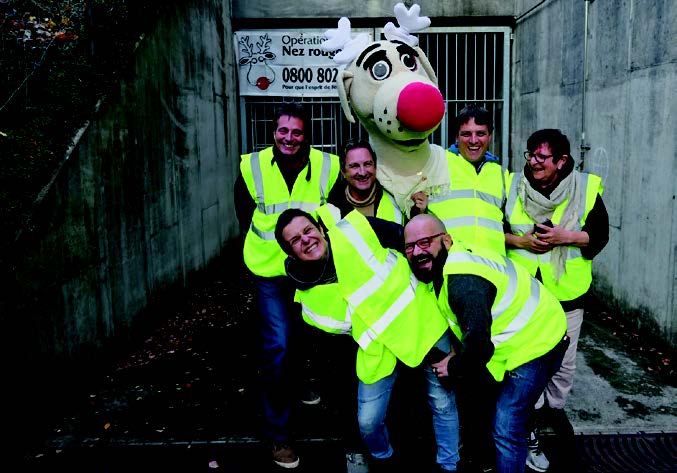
<point x="286" y="63"/>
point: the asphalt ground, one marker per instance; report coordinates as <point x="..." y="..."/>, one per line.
<point x="181" y="395"/>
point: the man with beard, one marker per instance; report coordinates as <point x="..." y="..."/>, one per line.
<point x="513" y="337"/>
<point x="290" y="174"/>
<point x="350" y="280"/>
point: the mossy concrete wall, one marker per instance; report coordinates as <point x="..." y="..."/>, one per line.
<point x="145" y="198"/>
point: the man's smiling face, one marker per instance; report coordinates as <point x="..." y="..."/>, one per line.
<point x="289" y="135"/>
<point x="306" y="241"/>
<point x="473" y="140"/>
<point x="426" y="246"/>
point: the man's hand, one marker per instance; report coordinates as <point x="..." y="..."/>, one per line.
<point x="420" y="200"/>
<point x="440" y="368"/>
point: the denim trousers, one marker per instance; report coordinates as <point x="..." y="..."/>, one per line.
<point x="372" y="404"/>
<point x="277" y="314"/>
<point x="518" y="394"/>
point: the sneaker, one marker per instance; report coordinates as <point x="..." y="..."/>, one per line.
<point x="284" y="456"/>
<point x="310" y="398"/>
<point x="536" y="459"/>
<point x="356" y="463"/>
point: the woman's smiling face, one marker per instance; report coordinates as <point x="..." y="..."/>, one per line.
<point x="545" y="172"/>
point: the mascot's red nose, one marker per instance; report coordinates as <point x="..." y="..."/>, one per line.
<point x="420" y="106"/>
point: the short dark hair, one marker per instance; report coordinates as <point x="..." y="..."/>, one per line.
<point x="355" y="144"/>
<point x="558" y="142"/>
<point x="296" y="110"/>
<point x="480" y="114"/>
<point x="284" y="219"/>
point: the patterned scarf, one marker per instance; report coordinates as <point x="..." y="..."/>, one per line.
<point x="540" y="208"/>
<point x="364" y="202"/>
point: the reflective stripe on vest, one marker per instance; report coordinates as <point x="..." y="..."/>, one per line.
<point x="471" y="207"/>
<point x="268" y="189"/>
<point x="527" y="320"/>
<point x="468" y="194"/>
<point x="281" y="207"/>
<point x="508" y="296"/>
<point x="340" y="326"/>
<point x="391" y="309"/>
<point x="576" y="279"/>
<point x="381" y="272"/>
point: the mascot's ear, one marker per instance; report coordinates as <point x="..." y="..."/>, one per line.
<point x="426" y="65"/>
<point x="344" y="82"/>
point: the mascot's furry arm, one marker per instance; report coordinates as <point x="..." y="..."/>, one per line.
<point x="391" y="88"/>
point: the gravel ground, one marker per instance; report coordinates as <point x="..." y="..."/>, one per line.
<point x="190" y="376"/>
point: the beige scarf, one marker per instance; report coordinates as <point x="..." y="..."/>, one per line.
<point x="539" y="208"/>
<point x="369" y="200"/>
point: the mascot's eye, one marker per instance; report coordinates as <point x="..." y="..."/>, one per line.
<point x="380" y="70"/>
<point x="409" y="61"/>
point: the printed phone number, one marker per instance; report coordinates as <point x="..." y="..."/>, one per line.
<point x="302" y="75"/>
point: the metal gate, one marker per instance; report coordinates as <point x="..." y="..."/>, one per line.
<point x="472" y="66"/>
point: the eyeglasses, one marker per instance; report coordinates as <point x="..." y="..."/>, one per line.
<point x="423" y="243"/>
<point x="540" y="158"/>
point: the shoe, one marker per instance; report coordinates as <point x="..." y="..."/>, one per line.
<point x="356" y="463"/>
<point x="536" y="459"/>
<point x="310" y="398"/>
<point x="284" y="456"/>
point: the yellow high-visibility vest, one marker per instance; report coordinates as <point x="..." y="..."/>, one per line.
<point x="262" y="254"/>
<point x="324" y="307"/>
<point x="389" y="305"/>
<point x="577" y="276"/>
<point x="527" y="320"/>
<point x="472" y="207"/>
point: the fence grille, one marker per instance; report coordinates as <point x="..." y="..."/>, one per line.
<point x="472" y="65"/>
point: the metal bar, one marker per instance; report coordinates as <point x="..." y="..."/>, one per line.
<point x="506" y="99"/>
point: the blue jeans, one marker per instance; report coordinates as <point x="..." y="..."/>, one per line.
<point x="277" y="311"/>
<point x="519" y="392"/>
<point x="372" y="404"/>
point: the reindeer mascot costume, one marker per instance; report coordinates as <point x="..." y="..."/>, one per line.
<point x="392" y="89"/>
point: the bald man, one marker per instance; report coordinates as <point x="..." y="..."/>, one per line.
<point x="512" y="333"/>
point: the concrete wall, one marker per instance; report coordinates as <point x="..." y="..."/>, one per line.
<point x="146" y="197"/>
<point x="144" y="200"/>
<point x="629" y="125"/>
<point x="263" y="9"/>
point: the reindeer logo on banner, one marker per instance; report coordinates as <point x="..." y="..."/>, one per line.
<point x="259" y="74"/>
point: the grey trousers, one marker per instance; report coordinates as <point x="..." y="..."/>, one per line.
<point x="560" y="384"/>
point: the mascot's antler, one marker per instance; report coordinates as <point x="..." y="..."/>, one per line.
<point x="410" y="21"/>
<point x="340" y="39"/>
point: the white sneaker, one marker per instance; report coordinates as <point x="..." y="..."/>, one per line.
<point x="536" y="459"/>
